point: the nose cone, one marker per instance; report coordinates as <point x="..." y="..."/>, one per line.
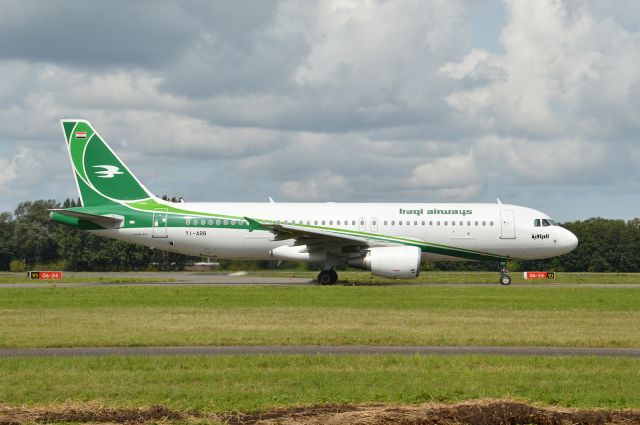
<point x="567" y="242"/>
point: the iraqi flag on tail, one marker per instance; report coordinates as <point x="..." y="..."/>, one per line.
<point x="81" y="134"/>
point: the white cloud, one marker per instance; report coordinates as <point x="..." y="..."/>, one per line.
<point x="561" y="75"/>
<point x="23" y="166"/>
<point x="446" y="173"/>
<point x="320" y="188"/>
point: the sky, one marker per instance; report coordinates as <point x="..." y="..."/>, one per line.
<point x="533" y="102"/>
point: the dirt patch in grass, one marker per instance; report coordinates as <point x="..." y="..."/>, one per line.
<point x="477" y="412"/>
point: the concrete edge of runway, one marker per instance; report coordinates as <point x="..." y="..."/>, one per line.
<point x="313" y="350"/>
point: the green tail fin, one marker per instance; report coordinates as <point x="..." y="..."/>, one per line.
<point x="101" y="176"/>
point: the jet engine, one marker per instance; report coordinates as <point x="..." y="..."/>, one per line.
<point x="394" y="262"/>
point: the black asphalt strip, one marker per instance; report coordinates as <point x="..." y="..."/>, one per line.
<point x="311" y="350"/>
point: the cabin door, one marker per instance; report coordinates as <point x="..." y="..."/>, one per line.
<point x="159" y="224"/>
<point x="507" y="225"/>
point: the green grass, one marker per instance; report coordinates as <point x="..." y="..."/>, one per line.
<point x="361" y="277"/>
<point x="246" y="383"/>
<point x="316" y="315"/>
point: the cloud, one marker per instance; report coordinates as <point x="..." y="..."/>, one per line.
<point x="93" y="34"/>
<point x="319" y="188"/>
<point x="563" y="72"/>
<point x="334" y="100"/>
<point x="20" y="167"/>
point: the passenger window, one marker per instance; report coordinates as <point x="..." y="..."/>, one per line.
<point x="468" y="223"/>
<point x="399" y="222"/>
<point x="315" y="222"/>
<point x="415" y="223"/>
<point x="373" y="223"/>
<point x="393" y="222"/>
<point x="202" y="222"/>
<point x="438" y="223"/>
<point x="330" y="222"/>
<point x="484" y="223"/>
<point x="431" y="223"/>
<point x="491" y="223"/>
<point x="453" y="223"/>
<point x="323" y="222"/>
<point x="476" y="223"/>
<point x="385" y="222"/>
<point x="338" y="223"/>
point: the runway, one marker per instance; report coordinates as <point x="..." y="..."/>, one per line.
<point x="218" y="279"/>
<point x="313" y="350"/>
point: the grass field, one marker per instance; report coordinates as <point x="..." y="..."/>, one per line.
<point x="259" y="382"/>
<point x="532" y="315"/>
<point x="315" y="315"/>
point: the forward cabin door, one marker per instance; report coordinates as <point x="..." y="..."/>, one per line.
<point x="159" y="223"/>
<point x="507" y="225"/>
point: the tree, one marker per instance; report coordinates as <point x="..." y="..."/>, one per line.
<point x="33" y="232"/>
<point x="7" y="245"/>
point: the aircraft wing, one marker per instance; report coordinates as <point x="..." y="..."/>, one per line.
<point x="312" y="237"/>
<point x="102" y="220"/>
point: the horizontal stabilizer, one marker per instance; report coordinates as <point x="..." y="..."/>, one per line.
<point x="107" y="221"/>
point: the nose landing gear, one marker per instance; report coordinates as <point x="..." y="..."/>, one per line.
<point x="505" y="279"/>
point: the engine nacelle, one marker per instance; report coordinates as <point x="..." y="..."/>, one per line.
<point x="297" y="253"/>
<point x="394" y="262"/>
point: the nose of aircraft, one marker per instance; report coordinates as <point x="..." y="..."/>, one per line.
<point x="567" y="242"/>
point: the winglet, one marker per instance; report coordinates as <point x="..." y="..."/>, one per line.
<point x="253" y="224"/>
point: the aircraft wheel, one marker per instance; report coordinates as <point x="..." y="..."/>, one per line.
<point x="334" y="276"/>
<point x="325" y="277"/>
<point x="505" y="279"/>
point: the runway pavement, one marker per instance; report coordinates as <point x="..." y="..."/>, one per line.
<point x="311" y="350"/>
<point x="217" y="279"/>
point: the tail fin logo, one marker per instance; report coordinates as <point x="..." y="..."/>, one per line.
<point x="108" y="171"/>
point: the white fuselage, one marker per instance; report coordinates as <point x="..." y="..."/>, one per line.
<point x="496" y="230"/>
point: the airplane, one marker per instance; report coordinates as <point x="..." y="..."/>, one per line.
<point x="388" y="239"/>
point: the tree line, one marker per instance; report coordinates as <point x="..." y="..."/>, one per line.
<point x="28" y="240"/>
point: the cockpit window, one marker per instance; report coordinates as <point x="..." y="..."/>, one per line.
<point x="536" y="222"/>
<point x="553" y="223"/>
<point x="545" y="222"/>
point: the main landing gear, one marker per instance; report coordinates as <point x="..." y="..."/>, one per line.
<point x="505" y="279"/>
<point x="327" y="277"/>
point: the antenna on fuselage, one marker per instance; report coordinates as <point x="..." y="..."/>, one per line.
<point x="499" y="201"/>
